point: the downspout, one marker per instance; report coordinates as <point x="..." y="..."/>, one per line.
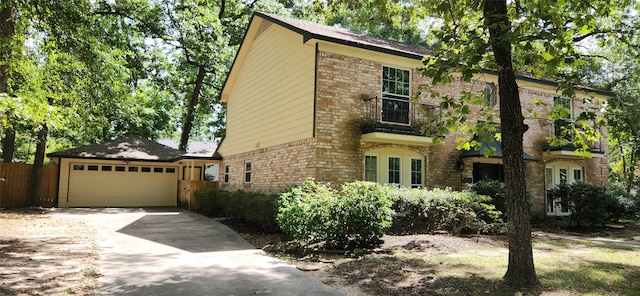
<point x="315" y="91"/>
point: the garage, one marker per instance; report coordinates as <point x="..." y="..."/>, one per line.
<point x="128" y="172"/>
<point x="122" y="185"/>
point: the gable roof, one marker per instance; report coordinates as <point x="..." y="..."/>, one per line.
<point x="125" y="148"/>
<point x="310" y="30"/>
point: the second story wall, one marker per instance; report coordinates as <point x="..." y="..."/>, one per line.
<point x="272" y="100"/>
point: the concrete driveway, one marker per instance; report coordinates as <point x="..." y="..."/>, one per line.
<point x="165" y="251"/>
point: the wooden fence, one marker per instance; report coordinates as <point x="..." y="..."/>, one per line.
<point x="186" y="188"/>
<point x="15" y="188"/>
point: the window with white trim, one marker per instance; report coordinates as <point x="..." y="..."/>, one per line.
<point x="416" y="173"/>
<point x="394" y="171"/>
<point x="226" y="174"/>
<point x="371" y="168"/>
<point x="490" y="94"/>
<point x="396" y="92"/>
<point x="247" y="172"/>
<point x="556" y="174"/>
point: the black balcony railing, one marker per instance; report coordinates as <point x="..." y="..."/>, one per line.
<point x="398" y="116"/>
<point x="558" y="127"/>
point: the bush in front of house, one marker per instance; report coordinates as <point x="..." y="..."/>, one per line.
<point x="627" y="205"/>
<point x="495" y="190"/>
<point x="594" y="205"/>
<point x="256" y="208"/>
<point x="425" y="211"/>
<point x="355" y="216"/>
<point x="362" y="214"/>
<point x="304" y="211"/>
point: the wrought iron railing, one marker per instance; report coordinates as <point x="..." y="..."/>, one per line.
<point x="396" y="116"/>
<point x="558" y="131"/>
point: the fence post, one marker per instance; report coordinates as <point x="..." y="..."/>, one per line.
<point x="1" y="180"/>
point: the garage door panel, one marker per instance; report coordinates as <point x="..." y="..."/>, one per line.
<point x="131" y="186"/>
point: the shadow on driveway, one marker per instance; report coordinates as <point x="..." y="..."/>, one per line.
<point x="185" y="231"/>
<point x="165" y="251"/>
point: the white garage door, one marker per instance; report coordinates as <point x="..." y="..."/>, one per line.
<point x="117" y="185"/>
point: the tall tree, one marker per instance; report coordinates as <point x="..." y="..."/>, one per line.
<point x="538" y="37"/>
<point x="70" y="71"/>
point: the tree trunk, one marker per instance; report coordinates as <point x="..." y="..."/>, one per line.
<point x="521" y="270"/>
<point x="187" y="125"/>
<point x="8" y="145"/>
<point x="33" y="198"/>
<point x="625" y="172"/>
<point x="7" y="29"/>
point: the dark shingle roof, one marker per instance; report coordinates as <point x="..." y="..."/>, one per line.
<point x="311" y="30"/>
<point x="125" y="148"/>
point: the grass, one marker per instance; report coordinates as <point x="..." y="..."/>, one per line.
<point x="588" y="268"/>
<point x="564" y="267"/>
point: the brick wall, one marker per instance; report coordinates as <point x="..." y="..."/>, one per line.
<point x="272" y="168"/>
<point x="336" y="153"/>
<point x="344" y="82"/>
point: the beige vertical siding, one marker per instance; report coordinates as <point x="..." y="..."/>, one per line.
<point x="272" y="99"/>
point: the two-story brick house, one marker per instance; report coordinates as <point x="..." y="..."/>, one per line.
<point x="308" y="100"/>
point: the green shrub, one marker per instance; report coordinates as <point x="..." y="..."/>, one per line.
<point x="362" y="213"/>
<point x="627" y="205"/>
<point x="590" y="204"/>
<point x="304" y="210"/>
<point x="256" y="208"/>
<point x="493" y="189"/>
<point x="356" y="216"/>
<point x="419" y="210"/>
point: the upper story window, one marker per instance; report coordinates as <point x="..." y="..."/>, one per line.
<point x="564" y="102"/>
<point x="566" y="120"/>
<point x="396" y="92"/>
<point x="490" y="94"/>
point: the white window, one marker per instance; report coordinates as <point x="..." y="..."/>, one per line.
<point x="394" y="166"/>
<point x="371" y="168"/>
<point x="490" y="94"/>
<point x="416" y="172"/>
<point x="396" y="92"/>
<point x="394" y="171"/>
<point x="556" y="174"/>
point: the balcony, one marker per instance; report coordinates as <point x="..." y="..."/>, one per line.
<point x="596" y="148"/>
<point x="396" y="120"/>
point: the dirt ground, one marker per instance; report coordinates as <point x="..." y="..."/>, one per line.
<point x="42" y="254"/>
<point x="358" y="275"/>
<point x="45" y="255"/>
